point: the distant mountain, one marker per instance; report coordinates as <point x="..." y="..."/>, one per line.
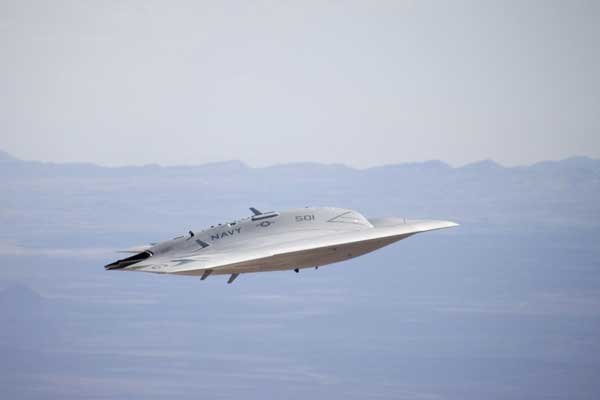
<point x="19" y="296"/>
<point x="19" y="302"/>
<point x="53" y="204"/>
<point x="5" y="157"/>
<point x="16" y="167"/>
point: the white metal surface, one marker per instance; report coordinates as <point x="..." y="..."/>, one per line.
<point x="293" y="239"/>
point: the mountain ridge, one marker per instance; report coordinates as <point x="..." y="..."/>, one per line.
<point x="8" y="160"/>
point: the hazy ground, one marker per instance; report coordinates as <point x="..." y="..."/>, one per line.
<point x="505" y="306"/>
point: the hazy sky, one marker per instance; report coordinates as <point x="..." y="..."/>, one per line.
<point x="361" y="83"/>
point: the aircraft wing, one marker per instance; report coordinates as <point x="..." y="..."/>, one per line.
<point x="284" y="255"/>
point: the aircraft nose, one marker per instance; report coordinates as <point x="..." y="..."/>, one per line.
<point x="125" y="262"/>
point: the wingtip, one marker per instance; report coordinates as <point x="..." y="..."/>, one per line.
<point x="431" y="225"/>
<point x="446" y="224"/>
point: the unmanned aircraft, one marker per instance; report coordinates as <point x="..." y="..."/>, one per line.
<point x="273" y="241"/>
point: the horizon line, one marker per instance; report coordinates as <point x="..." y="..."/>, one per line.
<point x="489" y="161"/>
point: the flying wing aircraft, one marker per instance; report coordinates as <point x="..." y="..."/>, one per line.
<point x="273" y="241"/>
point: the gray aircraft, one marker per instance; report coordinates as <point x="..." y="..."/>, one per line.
<point x="272" y="241"/>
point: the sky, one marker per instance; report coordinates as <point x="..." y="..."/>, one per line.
<point x="359" y="83"/>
